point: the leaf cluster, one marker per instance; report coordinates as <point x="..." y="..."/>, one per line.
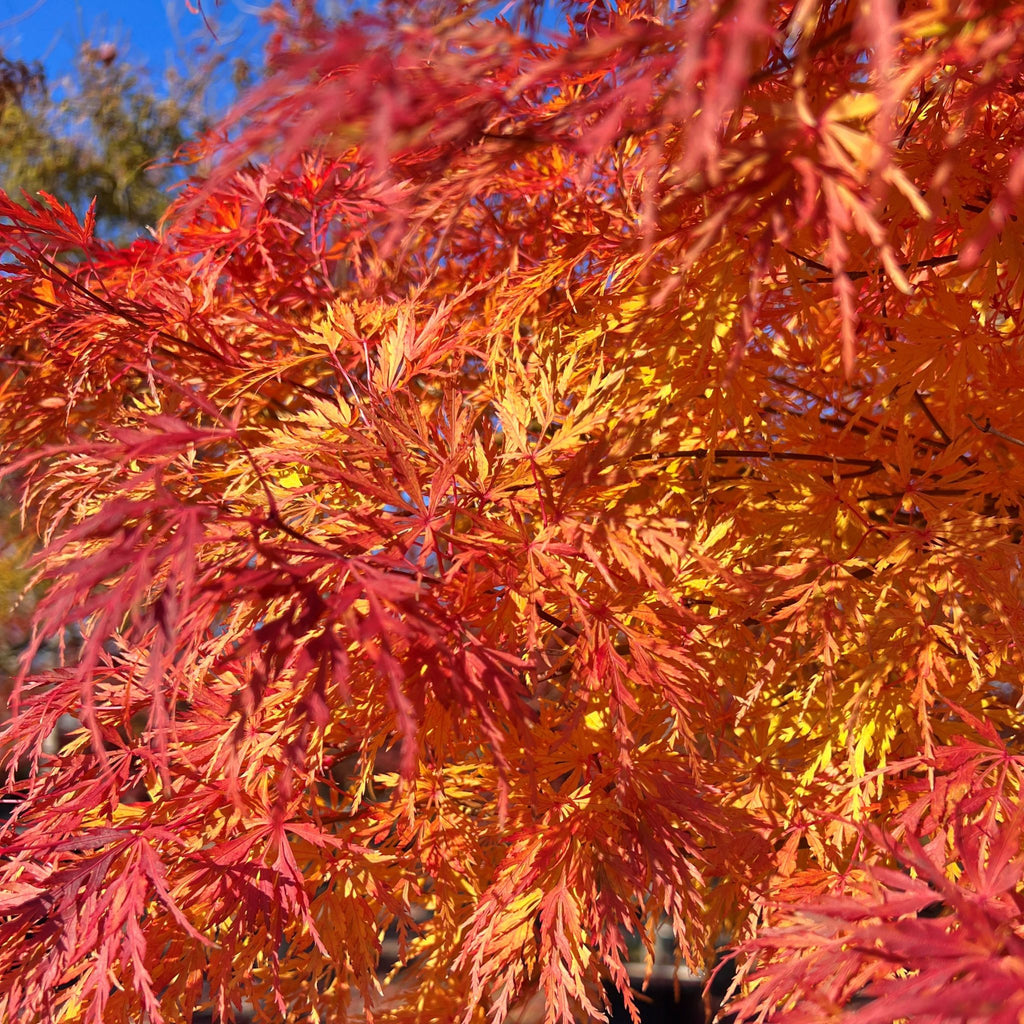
<point x="541" y="484"/>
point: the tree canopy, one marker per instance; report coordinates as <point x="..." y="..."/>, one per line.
<point x="558" y="473"/>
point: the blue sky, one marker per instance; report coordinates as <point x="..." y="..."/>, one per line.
<point x="153" y="33"/>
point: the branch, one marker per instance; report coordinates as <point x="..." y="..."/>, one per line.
<point x="858" y="275"/>
<point x="129" y="317"/>
<point x="919" y="398"/>
<point x="923" y="97"/>
<point x="989" y="429"/>
<point x="722" y="454"/>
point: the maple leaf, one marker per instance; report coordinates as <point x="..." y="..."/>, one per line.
<point x="554" y="477"/>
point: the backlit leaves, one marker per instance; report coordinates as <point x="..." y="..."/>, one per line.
<point x="557" y="476"/>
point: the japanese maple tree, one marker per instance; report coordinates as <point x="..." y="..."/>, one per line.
<point x="559" y="473"/>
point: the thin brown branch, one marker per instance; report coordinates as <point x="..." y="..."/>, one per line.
<point x="124" y="314"/>
<point x="939" y="429"/>
<point x="922" y="99"/>
<point x="723" y="454"/>
<point x="989" y="429"/>
<point x="859" y="275"/>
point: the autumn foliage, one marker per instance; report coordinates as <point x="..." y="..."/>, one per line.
<point x="559" y="474"/>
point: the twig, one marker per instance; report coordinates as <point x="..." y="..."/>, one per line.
<point x="919" y="398"/>
<point x="858" y="275"/>
<point x="989" y="429"/>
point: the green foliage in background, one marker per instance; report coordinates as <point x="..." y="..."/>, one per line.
<point x="106" y="131"/>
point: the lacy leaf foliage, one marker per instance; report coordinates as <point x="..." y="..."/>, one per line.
<point x="559" y="472"/>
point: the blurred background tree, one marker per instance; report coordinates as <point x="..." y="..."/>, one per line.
<point x="106" y="131"/>
<point x="17" y="79"/>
